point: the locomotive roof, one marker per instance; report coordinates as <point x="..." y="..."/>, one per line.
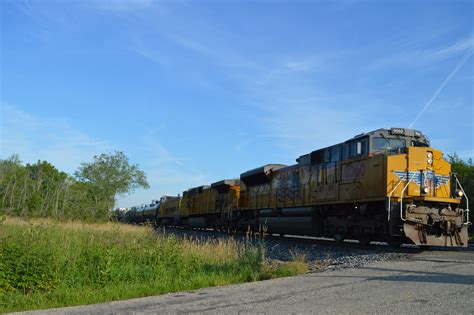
<point x="406" y="133"/>
<point x="288" y="168"/>
<point x="195" y="190"/>
<point x="393" y="131"/>
<point x="226" y="182"/>
<point x="260" y="174"/>
<point x="400" y="132"/>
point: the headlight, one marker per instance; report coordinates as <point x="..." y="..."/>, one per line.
<point x="459" y="193"/>
<point x="425" y="190"/>
<point x="429" y="157"/>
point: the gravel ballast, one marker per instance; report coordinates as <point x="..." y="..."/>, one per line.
<point x="318" y="253"/>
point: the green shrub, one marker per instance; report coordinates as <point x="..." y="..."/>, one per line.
<point x="46" y="264"/>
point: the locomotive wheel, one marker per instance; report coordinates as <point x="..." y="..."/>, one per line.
<point x="364" y="239"/>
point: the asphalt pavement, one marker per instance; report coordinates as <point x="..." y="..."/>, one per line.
<point x="438" y="282"/>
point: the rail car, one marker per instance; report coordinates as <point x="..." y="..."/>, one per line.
<point x="144" y="213"/>
<point x="384" y="185"/>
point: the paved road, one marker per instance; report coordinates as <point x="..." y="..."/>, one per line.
<point x="440" y="282"/>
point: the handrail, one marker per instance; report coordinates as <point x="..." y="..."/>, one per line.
<point x="467" y="201"/>
<point x="401" y="195"/>
<point x="390" y="198"/>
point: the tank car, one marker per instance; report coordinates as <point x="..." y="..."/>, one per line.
<point x="150" y="212"/>
<point x="143" y="213"/>
<point x="131" y="215"/>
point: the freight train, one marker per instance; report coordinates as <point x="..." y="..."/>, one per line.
<point x="385" y="185"/>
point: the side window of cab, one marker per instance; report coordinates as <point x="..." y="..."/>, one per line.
<point x="357" y="148"/>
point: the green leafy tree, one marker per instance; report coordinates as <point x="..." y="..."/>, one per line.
<point x="47" y="189"/>
<point x="12" y="178"/>
<point x="107" y="177"/>
<point x="41" y="190"/>
<point x="465" y="173"/>
<point x="34" y="190"/>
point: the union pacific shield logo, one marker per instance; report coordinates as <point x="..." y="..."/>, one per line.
<point x="428" y="178"/>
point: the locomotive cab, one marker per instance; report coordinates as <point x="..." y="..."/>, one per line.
<point x="385" y="141"/>
<point x="390" y="184"/>
<point x="421" y="204"/>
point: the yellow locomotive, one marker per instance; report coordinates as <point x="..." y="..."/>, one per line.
<point x="203" y="206"/>
<point x="385" y="185"/>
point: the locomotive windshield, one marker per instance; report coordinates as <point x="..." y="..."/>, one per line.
<point x="387" y="144"/>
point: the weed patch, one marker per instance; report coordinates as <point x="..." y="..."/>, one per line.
<point x="47" y="264"/>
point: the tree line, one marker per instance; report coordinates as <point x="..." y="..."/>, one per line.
<point x="41" y="190"/>
<point x="465" y="172"/>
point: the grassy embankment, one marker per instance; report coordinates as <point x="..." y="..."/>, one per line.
<point x="47" y="264"/>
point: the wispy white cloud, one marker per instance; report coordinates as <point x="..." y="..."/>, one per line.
<point x="46" y="20"/>
<point x="455" y="49"/>
<point x="51" y="139"/>
<point x="55" y="140"/>
<point x="422" y="56"/>
<point x="167" y="173"/>
<point x="300" y="125"/>
<point x="313" y="62"/>
<point x="220" y="54"/>
<point x="300" y="66"/>
<point x="295" y="111"/>
<point x="122" y="5"/>
<point x="52" y="18"/>
<point x="158" y="155"/>
<point x="153" y="55"/>
<point x="174" y="33"/>
<point x="190" y="44"/>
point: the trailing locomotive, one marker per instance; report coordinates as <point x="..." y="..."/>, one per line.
<point x="385" y="185"/>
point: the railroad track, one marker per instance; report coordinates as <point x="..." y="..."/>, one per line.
<point x="210" y="233"/>
<point x="405" y="248"/>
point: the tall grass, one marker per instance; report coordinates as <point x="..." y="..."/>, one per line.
<point x="49" y="264"/>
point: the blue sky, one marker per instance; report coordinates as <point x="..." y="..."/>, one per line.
<point x="197" y="91"/>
